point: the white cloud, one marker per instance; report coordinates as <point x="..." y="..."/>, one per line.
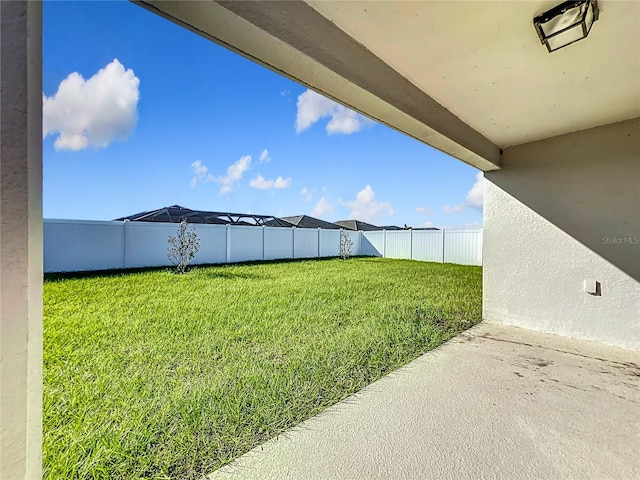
<point x="366" y="208"/>
<point x="200" y="173"/>
<point x="264" y="156"/>
<point x="92" y="112"/>
<point x="282" y="182"/>
<point x="427" y="225"/>
<point x="474" y="198"/>
<point x="423" y="210"/>
<point x="322" y="208"/>
<point x="234" y="174"/>
<point x="346" y="121"/>
<point x="453" y="209"/>
<point x="308" y="196"/>
<point x="313" y="106"/>
<point x="260" y="183"/>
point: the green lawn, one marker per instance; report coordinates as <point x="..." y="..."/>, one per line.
<point x="155" y="375"/>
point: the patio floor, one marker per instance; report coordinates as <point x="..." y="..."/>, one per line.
<point x="495" y="402"/>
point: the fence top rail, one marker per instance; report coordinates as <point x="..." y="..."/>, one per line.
<point x="267" y="227"/>
<point x="84" y="222"/>
<point x="243" y="227"/>
<point x="416" y="230"/>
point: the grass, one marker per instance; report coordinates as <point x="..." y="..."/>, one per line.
<point x="154" y="375"/>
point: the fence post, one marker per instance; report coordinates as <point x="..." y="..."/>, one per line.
<point x="227" y="256"/>
<point x="263" y="227"/>
<point x="293" y="242"/>
<point x="124" y="243"/>
<point x="411" y="244"/>
<point x="319" y="235"/>
<point x="443" y="242"/>
<point x="384" y="243"/>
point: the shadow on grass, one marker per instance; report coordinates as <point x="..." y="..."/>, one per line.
<point x="231" y="275"/>
<point x="221" y="273"/>
<point x="60" y="276"/>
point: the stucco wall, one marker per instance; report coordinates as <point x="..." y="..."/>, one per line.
<point x="562" y="211"/>
<point x="20" y="240"/>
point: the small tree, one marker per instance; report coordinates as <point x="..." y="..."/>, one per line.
<point x="346" y="244"/>
<point x="183" y="247"/>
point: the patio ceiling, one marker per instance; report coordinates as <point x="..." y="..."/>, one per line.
<point x="469" y="78"/>
<point x="484" y="62"/>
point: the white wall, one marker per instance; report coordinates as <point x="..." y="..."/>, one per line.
<point x="373" y="243"/>
<point x="145" y="243"/>
<point x="278" y="243"/>
<point x="21" y="240"/>
<point x="244" y="244"/>
<point x="397" y="244"/>
<point x="82" y="245"/>
<point x="305" y="243"/>
<point x="213" y="243"/>
<point x="428" y="246"/>
<point x="463" y="247"/>
<point x="562" y="211"/>
<point x="329" y="243"/>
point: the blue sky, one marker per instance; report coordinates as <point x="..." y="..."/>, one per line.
<point x="140" y="114"/>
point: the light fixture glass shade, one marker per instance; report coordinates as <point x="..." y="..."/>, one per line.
<point x="566" y="23"/>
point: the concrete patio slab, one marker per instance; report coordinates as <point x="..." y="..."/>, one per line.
<point x="495" y="402"/>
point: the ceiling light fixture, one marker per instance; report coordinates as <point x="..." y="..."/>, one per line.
<point x="566" y="23"/>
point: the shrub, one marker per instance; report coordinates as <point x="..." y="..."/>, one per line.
<point x="183" y="247"/>
<point x="346" y="245"/>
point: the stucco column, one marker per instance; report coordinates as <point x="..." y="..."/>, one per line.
<point x="21" y="240"/>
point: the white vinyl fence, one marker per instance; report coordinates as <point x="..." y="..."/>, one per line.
<point x="82" y="245"/>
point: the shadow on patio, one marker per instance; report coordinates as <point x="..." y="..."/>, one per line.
<point x="495" y="402"/>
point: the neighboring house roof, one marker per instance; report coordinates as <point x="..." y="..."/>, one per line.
<point x="305" y="221"/>
<point x="175" y="214"/>
<point x="357" y="225"/>
<point x="278" y="222"/>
